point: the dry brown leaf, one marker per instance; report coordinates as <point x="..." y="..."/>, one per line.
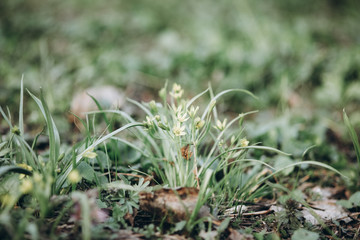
<point x="176" y="205"/>
<point x="235" y="235"/>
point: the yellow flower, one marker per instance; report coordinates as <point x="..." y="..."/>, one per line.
<point x="74" y="176"/>
<point x="178" y="130"/>
<point x="25" y="166"/>
<point x="26" y="186"/>
<point x="90" y="153"/>
<point x="199" y="123"/>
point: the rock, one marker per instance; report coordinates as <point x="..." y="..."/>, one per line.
<point x="109" y="97"/>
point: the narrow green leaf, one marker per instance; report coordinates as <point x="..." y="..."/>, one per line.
<point x="21" y="108"/>
<point x="7" y="169"/>
<point x="353" y="136"/>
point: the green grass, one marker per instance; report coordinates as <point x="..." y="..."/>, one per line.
<point x="184" y="150"/>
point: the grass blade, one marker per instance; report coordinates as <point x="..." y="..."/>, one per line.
<point x="21" y="107"/>
<point x="7" y="169"/>
<point x="353" y="136"/>
<point x="54" y="138"/>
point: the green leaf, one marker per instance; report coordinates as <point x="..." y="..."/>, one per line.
<point x="179" y="226"/>
<point x="353" y="136"/>
<point x="224" y="224"/>
<point x="54" y="138"/>
<point x="60" y="181"/>
<point x="302" y="234"/>
<point x="100" y="203"/>
<point x="21" y="107"/>
<point x="15" y="169"/>
<point x="354" y="201"/>
<point x="4" y="152"/>
<point x="86" y="171"/>
<point x="282" y="162"/>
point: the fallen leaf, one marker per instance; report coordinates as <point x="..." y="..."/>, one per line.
<point x="327" y="210"/>
<point x="208" y="235"/>
<point x="235" y="235"/>
<point x="174" y="204"/>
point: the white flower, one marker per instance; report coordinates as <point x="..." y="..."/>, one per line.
<point x="178" y="130"/>
<point x="148" y="123"/>
<point x="182" y="117"/>
<point x="221" y="125"/>
<point x="74" y="176"/>
<point x="244" y="142"/>
<point x="193" y="111"/>
<point x="199" y="123"/>
<point x="177" y="91"/>
<point x="90" y="153"/>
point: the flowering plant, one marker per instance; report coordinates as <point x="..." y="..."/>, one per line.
<point x="189" y="143"/>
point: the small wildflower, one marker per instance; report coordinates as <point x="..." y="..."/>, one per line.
<point x="26" y="186"/>
<point x="178" y="130"/>
<point x="162" y="93"/>
<point x="244" y="142"/>
<point x="15" y="130"/>
<point x="148" y="123"/>
<point x="199" y="123"/>
<point x="74" y="176"/>
<point x="221" y="125"/>
<point x="153" y="107"/>
<point x="90" y="153"/>
<point x="193" y="111"/>
<point x="177" y="91"/>
<point x="232" y="140"/>
<point x="157" y="118"/>
<point x="27" y="167"/>
<point x="182" y="117"/>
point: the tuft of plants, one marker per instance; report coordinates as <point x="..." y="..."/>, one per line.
<point x="185" y="144"/>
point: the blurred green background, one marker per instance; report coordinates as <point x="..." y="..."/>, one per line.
<point x="302" y="55"/>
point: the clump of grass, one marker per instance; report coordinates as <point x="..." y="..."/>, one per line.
<point x="187" y="146"/>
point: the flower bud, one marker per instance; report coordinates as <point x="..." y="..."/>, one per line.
<point x="74" y="176"/>
<point x="199" y="123"/>
<point x="26" y="186"/>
